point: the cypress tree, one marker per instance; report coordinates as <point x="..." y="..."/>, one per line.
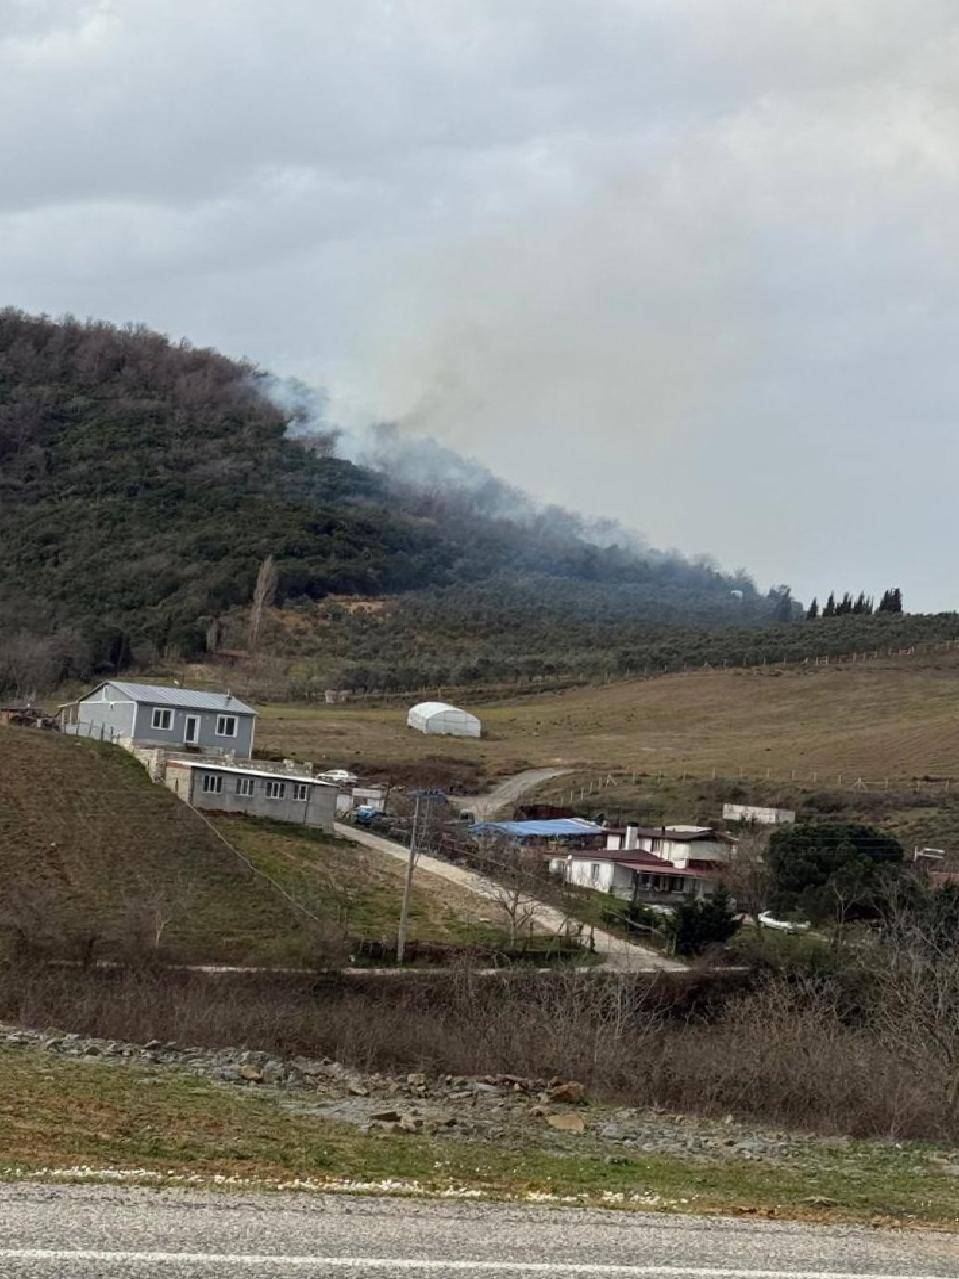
<point x="812" y="612"/>
<point x="829" y="609"/>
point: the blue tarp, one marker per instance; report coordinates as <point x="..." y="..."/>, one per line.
<point x="552" y="828"/>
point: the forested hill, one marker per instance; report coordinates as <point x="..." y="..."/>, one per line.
<point x="142" y="482"/>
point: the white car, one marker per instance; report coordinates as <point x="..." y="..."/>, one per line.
<point x="338" y="776"/>
<point x="783" y="925"/>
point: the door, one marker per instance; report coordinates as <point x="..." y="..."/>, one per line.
<point x="191" y="730"/>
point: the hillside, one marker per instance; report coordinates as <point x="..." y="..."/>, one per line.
<point x="142" y="482"/>
<point x="888" y="717"/>
<point x="94" y="858"/>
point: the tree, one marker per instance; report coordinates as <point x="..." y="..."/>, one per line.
<point x="845" y="605"/>
<point x="830" y="873"/>
<point x="264" y="592"/>
<point x="829" y="608"/>
<point x="812" y="612"/>
<point x="863" y="604"/>
<point x="891" y="601"/>
<point x="695" y="926"/>
<point x="746" y="875"/>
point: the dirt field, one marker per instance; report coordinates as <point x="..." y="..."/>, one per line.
<point x="898" y="719"/>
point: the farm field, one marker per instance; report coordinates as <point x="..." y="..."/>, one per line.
<point x="896" y="718"/>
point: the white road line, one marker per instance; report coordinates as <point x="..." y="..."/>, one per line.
<point x="439" y="1265"/>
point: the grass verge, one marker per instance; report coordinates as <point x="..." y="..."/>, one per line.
<point x="75" y="1120"/>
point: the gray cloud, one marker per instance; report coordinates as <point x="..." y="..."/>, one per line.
<point x="692" y="265"/>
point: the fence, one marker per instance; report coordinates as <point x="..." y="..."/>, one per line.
<point x="754" y="662"/>
<point x="828" y="779"/>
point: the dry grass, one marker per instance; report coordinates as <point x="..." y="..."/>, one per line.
<point x="895" y="718"/>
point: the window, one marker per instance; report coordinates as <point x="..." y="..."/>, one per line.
<point x="162" y="718"/>
<point x="212" y="784"/>
<point x="244" y="786"/>
<point x="594" y="872"/>
<point x="301" y="790"/>
<point x="226" y="726"/>
<point x="275" y="790"/>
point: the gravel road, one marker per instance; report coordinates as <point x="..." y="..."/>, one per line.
<point x="506" y="792"/>
<point x="623" y="956"/>
<point x="108" y="1232"/>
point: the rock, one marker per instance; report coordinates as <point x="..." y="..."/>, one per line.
<point x="616" y="1161"/>
<point x="570" y="1093"/>
<point x="357" y="1090"/>
<point x="410" y="1123"/>
<point x="416" y="1079"/>
<point x="386" y="1117"/>
<point x="251" y="1074"/>
<point x="444" y="1119"/>
<point x="571" y="1121"/>
<point x="612" y="1132"/>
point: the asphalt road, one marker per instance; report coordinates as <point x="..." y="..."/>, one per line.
<point x="80" y="1232"/>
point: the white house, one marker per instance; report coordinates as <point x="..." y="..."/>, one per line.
<point x="441" y="718"/>
<point x="756" y="813"/>
<point x="637" y="876"/>
<point x="683" y="846"/>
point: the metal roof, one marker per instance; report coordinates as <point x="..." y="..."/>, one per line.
<point x="555" y="827"/>
<point x="191" y="698"/>
<point x="207" y="766"/>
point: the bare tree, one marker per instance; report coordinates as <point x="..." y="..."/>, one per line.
<point x="264" y="593"/>
<point x="746" y="874"/>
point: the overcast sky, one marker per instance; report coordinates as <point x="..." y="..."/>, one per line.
<point x="693" y="263"/>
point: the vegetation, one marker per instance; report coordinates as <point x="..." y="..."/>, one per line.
<point x="833" y="873"/>
<point x="695" y="926"/>
<point x="65" y="1114"/>
<point x="145" y="485"/>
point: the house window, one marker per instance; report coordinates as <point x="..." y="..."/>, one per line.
<point x="301" y="790"/>
<point x="212" y="784"/>
<point x="244" y="786"/>
<point x="275" y="790"/>
<point x="594" y="872"/>
<point x="226" y="726"/>
<point x="162" y="718"/>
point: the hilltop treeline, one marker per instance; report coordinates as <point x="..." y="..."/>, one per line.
<point x="142" y="483"/>
<point x="508" y="630"/>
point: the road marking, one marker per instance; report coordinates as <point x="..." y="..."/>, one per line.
<point x="437" y="1265"/>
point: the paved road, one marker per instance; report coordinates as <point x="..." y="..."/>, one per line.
<point x="80" y="1232"/>
<point x="623" y="956"/>
<point x="506" y="792"/>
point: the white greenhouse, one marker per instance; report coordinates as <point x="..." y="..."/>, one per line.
<point x="440" y="717"/>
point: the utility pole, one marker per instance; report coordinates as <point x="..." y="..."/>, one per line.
<point x="407" y="885"/>
<point x="429" y="796"/>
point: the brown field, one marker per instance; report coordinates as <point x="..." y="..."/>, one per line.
<point x="896" y="719"/>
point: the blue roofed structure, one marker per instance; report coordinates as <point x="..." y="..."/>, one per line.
<point x="547" y="828"/>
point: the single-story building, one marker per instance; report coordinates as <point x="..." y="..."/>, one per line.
<point x="762" y="816"/>
<point x="239" y="788"/>
<point x="150" y="715"/>
<point x="636" y="876"/>
<point x="441" y="718"/>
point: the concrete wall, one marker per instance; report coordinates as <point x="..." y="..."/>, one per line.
<point x="318" y="810"/>
<point x="599" y="873"/>
<point x="134" y="721"/>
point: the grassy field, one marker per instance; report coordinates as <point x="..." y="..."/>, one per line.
<point x="93" y="855"/>
<point x="358" y="890"/>
<point x="896" y="718"/>
<point x="75" y="1120"/>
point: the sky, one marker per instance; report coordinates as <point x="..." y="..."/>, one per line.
<point x="690" y="263"/>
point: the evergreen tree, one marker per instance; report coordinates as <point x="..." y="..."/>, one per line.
<point x="891" y="601"/>
<point x="829" y="609"/>
<point x="845" y="605"/>
<point x="863" y="604"/>
<point x="813" y="611"/>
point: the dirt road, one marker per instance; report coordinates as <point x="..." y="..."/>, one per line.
<point x="507" y="792"/>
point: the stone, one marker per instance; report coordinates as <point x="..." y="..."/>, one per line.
<point x="416" y="1079"/>
<point x="357" y="1090"/>
<point x="410" y="1123"/>
<point x="251" y="1074"/>
<point x="570" y="1093"/>
<point x="386" y="1117"/>
<point x="612" y="1132"/>
<point x="570" y="1121"/>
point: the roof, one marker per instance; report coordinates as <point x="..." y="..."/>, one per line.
<point x="191" y="698"/>
<point x="207" y="766"/>
<point x="553" y="827"/>
<point x="675" y="834"/>
<point x="437" y="708"/>
<point x="634" y="857"/>
<point x="678" y="872"/>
